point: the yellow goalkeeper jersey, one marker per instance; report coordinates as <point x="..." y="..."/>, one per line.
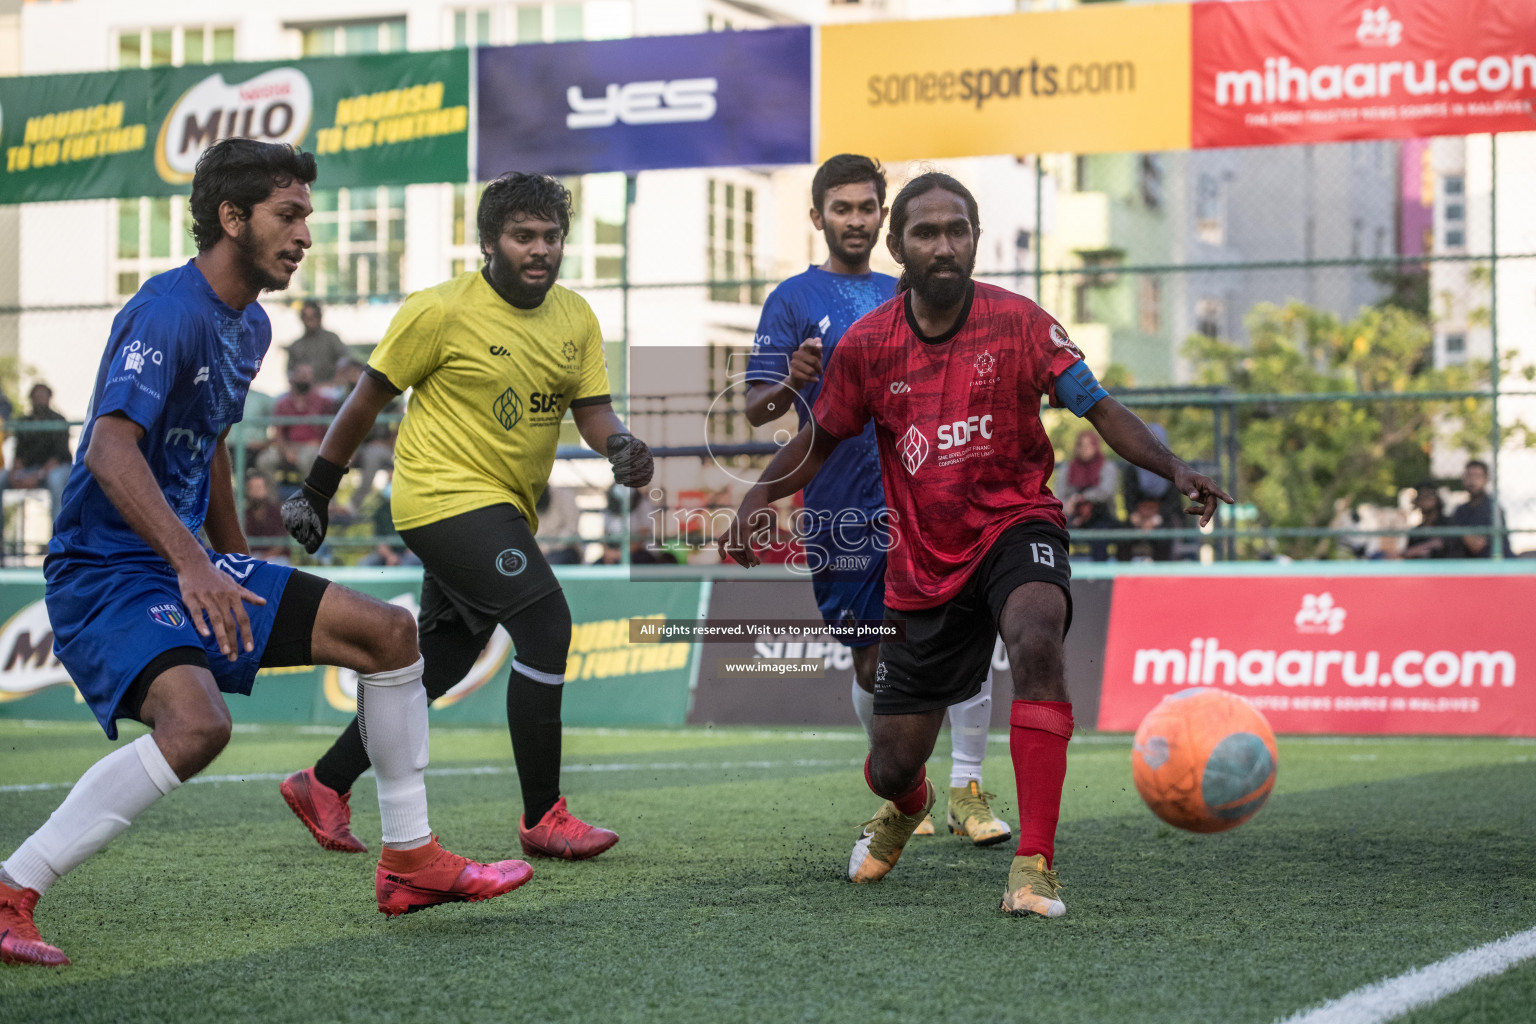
<point x="489" y="386"/>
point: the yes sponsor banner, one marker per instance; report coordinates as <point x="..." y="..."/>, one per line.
<point x="1273" y="72"/>
<point x="609" y="681"/>
<point x="1087" y="81"/>
<point x="1425" y="655"/>
<point x="710" y="100"/>
<point x="383" y="119"/>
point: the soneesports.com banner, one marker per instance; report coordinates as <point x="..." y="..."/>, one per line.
<point x="609" y="681"/>
<point x="383" y="119"/>
<point x="1289" y="71"/>
<point x="1095" y="80"/>
<point x="1399" y="654"/>
<point x="709" y="100"/>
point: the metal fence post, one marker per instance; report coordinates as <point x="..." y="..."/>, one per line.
<point x="1497" y="540"/>
<point x="1039" y="230"/>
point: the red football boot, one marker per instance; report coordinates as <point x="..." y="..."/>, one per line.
<point x="323" y="810"/>
<point x="561" y="834"/>
<point x="19" y="941"/>
<point x="442" y="877"/>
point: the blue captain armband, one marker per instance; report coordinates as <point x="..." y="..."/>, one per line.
<point x="1078" y="390"/>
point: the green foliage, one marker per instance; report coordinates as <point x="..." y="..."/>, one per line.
<point x="1407" y="287"/>
<point x="1300" y="462"/>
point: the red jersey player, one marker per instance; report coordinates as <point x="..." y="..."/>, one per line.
<point x="952" y="373"/>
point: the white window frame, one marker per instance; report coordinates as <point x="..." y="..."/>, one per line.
<point x="494" y="25"/>
<point x="549" y="10"/>
<point x="306" y="283"/>
<point x="726" y="195"/>
<point x="178" y="43"/>
<point x="297" y="30"/>
<point x="144" y="265"/>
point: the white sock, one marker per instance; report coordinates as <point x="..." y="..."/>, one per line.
<point x="107" y="798"/>
<point x="392" y="717"/>
<point x="864" y="707"/>
<point x="968" y="723"/>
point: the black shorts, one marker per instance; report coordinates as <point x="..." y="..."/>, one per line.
<point x="948" y="650"/>
<point x="289" y="643"/>
<point x="479" y="568"/>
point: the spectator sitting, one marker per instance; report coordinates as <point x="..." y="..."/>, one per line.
<point x="567" y="554"/>
<point x="264" y="519"/>
<point x="42" y="456"/>
<point x="1426" y="498"/>
<point x="389" y="549"/>
<point x="251" y="432"/>
<point x="640" y="554"/>
<point x="1147" y="518"/>
<point x="558" y="519"/>
<point x="1477" y="510"/>
<point x="1083" y="514"/>
<point x="1089" y="473"/>
<point x="377" y="452"/>
<point x="295" y="445"/>
<point x="316" y="348"/>
<point x="1141" y="484"/>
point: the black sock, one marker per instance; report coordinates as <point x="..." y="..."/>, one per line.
<point x="340" y="766"/>
<point x="533" y="719"/>
<point x="448" y="653"/>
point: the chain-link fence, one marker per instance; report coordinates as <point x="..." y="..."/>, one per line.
<point x="1334" y="332"/>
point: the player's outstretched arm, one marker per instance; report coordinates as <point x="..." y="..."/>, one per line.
<point x="118" y="465"/>
<point x="794" y="467"/>
<point x="222" y="525"/>
<point x="604" y="432"/>
<point x="1131" y="439"/>
<point x="306" y="515"/>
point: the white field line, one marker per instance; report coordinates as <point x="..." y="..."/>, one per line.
<point x="1393" y="997"/>
<point x="702" y="767"/>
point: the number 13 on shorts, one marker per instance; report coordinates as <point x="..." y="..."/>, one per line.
<point x="1043" y="554"/>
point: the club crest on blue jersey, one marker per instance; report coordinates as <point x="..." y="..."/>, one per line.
<point x="169" y="615"/>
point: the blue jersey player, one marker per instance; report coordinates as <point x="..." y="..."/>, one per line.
<point x="153" y="625"/>
<point x="844" y="535"/>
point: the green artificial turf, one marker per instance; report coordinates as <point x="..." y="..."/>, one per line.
<point x="726" y="899"/>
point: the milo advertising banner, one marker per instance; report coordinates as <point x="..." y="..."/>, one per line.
<point x="609" y="681"/>
<point x="379" y="119"/>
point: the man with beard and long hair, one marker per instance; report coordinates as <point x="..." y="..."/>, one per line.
<point x="952" y="372"/>
<point x="492" y="358"/>
<point x="843" y="534"/>
<point x="153" y="626"/>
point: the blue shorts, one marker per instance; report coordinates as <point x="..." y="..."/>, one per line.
<point x="844" y="595"/>
<point x="110" y="622"/>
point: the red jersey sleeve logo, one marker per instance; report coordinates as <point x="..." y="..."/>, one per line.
<point x="1060" y="340"/>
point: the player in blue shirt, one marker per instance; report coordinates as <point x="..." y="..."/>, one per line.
<point x="844" y="537"/>
<point x="155" y="627"/>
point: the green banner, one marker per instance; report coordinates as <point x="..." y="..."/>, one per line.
<point x="380" y="119"/>
<point x="609" y="681"/>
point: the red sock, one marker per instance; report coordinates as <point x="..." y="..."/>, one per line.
<point x="909" y="802"/>
<point x="1037" y="741"/>
<point x="406" y="861"/>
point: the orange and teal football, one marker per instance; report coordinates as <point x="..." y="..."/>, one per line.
<point x="1204" y="760"/>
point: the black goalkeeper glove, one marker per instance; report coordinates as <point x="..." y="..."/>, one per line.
<point x="631" y="460"/>
<point x="306" y="515"/>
